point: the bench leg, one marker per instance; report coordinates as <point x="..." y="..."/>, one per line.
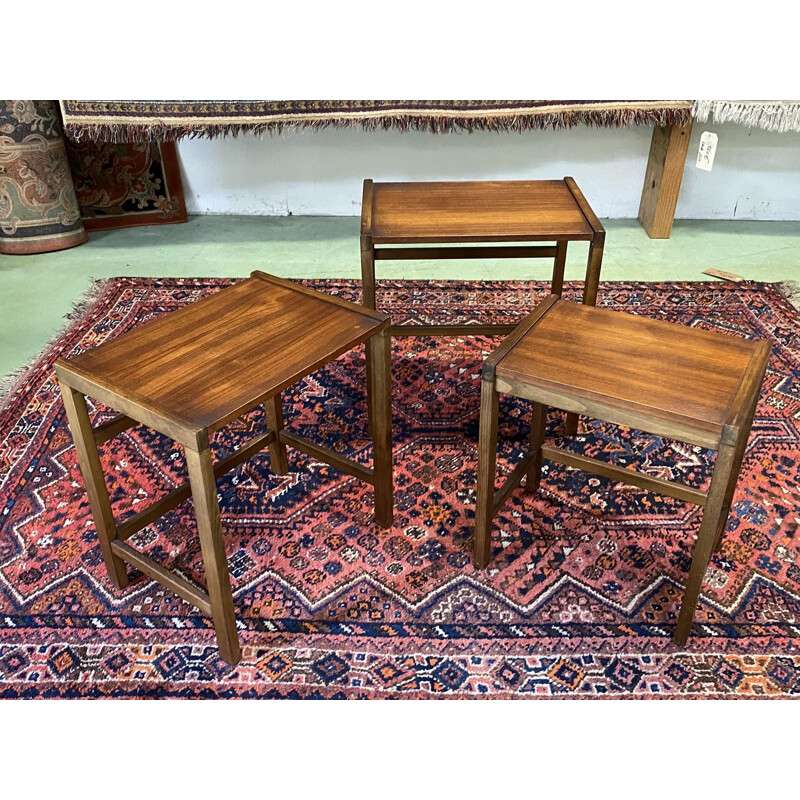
<point x="206" y="509"/>
<point x="89" y="461"/>
<point x="273" y="410"/>
<point x="379" y="407"/>
<point x="724" y="473"/>
<point x="487" y="465"/>
<point x="538" y="421"/>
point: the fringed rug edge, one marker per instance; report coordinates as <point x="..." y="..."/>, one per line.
<point x="12" y="383"/>
<point x="789" y="291"/>
<point x="159" y="129"/>
<point x="779" y="116"/>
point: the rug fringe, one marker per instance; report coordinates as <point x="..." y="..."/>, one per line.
<point x="15" y="381"/>
<point x="160" y="131"/>
<point x="789" y="291"/>
<point x="780" y="116"/>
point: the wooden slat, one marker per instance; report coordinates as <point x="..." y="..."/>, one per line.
<point x="512" y="481"/>
<point x="112" y="427"/>
<point x="593" y="465"/>
<point x="328" y="456"/>
<point x="437" y="253"/>
<point x="451" y="330"/>
<point x="180" y="493"/>
<point x="197" y="597"/>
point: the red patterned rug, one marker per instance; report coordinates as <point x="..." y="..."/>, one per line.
<point x="586" y="576"/>
<point x="122" y="185"/>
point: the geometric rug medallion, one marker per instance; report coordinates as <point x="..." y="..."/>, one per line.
<point x="586" y="576"/>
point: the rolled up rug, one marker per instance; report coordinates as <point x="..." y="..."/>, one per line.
<point x="38" y="208"/>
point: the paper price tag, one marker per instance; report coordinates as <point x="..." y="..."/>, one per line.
<point x="707" y="151"/>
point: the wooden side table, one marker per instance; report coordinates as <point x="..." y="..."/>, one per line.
<point x="193" y="371"/>
<point x="674" y="381"/>
<point x="472" y="215"/>
<point x="483" y="219"/>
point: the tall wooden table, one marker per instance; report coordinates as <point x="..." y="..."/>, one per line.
<point x="477" y="219"/>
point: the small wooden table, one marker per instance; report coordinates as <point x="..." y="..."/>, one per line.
<point x="671" y="380"/>
<point x="472" y="215"/>
<point x="193" y="371"/>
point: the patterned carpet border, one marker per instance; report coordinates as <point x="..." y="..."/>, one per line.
<point x="168" y="120"/>
<point x="586" y="576"/>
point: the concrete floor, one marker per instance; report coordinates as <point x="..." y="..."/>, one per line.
<point x="37" y="291"/>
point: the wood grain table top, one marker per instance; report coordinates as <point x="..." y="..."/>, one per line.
<point x="674" y="372"/>
<point x="208" y="363"/>
<point x="475" y="211"/>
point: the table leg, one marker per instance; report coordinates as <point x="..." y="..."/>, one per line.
<point x="592" y="280"/>
<point x="706" y="538"/>
<point x="538" y="422"/>
<point x="738" y="457"/>
<point x="89" y="461"/>
<point x="379" y="407"/>
<point x="368" y="297"/>
<point x="212" y="545"/>
<point x="557" y="284"/>
<point x="590" y="287"/>
<point x="273" y="410"/>
<point x="487" y="465"/>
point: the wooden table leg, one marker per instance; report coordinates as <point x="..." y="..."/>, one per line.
<point x="89" y="461"/>
<point x="706" y="538"/>
<point x="592" y="280"/>
<point x="273" y="410"/>
<point x="487" y="465"/>
<point x="367" y="272"/>
<point x="379" y="407"/>
<point x="368" y="295"/>
<point x="206" y="508"/>
<point x="738" y="457"/>
<point x="538" y="422"/>
<point x="590" y="287"/>
<point x="557" y="284"/>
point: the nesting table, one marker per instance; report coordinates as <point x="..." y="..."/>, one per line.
<point x="191" y="372"/>
<point x="675" y="381"/>
<point x="481" y="219"/>
<point x="477" y="219"/>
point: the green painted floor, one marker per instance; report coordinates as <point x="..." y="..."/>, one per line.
<point x="36" y="292"/>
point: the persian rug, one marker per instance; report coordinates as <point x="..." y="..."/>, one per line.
<point x="120" y="185"/>
<point x="38" y="208"/>
<point x="586" y="577"/>
<point x="771" y="115"/>
<point x="148" y="120"/>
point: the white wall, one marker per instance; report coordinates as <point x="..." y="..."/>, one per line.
<point x="756" y="174"/>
